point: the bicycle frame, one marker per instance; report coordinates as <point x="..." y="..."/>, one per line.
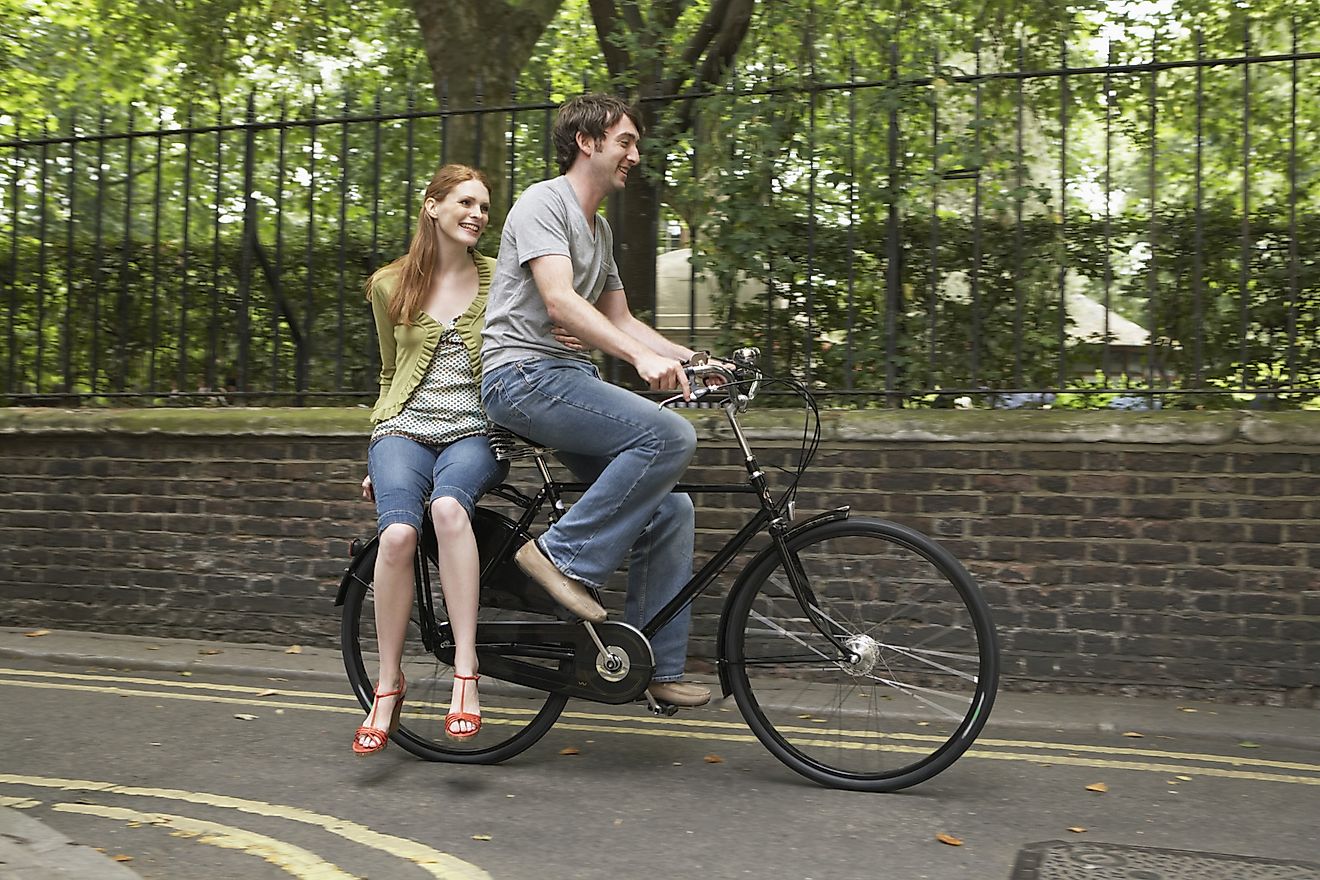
<point x="769" y="517"/>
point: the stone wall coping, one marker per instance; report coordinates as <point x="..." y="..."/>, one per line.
<point x="867" y="426"/>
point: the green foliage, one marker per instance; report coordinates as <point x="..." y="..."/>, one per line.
<point x="154" y="317"/>
<point x="785" y="181"/>
<point x="202" y="54"/>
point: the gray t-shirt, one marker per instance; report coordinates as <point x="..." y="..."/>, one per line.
<point x="546" y="219"/>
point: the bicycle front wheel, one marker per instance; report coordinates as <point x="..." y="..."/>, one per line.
<point x="512" y="717"/>
<point x="913" y="689"/>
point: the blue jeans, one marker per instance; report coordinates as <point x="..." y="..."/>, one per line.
<point x="632" y="452"/>
<point x="407" y="476"/>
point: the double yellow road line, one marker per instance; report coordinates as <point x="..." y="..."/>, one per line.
<point x="701" y="727"/>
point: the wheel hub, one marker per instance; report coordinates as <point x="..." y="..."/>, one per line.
<point x="865" y="653"/>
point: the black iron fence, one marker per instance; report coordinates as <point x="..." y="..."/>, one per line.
<point x="1138" y="232"/>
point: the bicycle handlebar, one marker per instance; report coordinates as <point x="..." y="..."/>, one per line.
<point x="739" y="375"/>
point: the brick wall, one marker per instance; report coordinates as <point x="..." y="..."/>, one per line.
<point x="1174" y="553"/>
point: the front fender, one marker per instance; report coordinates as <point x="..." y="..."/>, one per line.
<point x="837" y="513"/>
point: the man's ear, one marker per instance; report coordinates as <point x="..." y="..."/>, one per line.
<point x="585" y="142"/>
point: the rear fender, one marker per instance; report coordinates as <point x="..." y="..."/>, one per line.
<point x="364" y="557"/>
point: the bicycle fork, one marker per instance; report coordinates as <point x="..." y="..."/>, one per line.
<point x="779" y="529"/>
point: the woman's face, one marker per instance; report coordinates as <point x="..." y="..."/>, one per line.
<point x="463" y="213"/>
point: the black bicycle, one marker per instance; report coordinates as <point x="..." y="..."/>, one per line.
<point x="860" y="652"/>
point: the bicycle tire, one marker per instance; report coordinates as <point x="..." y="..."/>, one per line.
<point x="927" y="664"/>
<point x="513" y="718"/>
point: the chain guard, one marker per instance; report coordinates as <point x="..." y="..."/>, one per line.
<point x="523" y="652"/>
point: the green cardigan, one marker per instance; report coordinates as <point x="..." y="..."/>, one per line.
<point x="406" y="349"/>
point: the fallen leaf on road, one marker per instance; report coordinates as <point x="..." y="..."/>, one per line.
<point x="481" y="837"/>
<point x="618" y="823"/>
<point x="1248" y="744"/>
<point x="569" y="750"/>
<point x="923" y="724"/>
<point x="243" y="716"/>
<point x="185" y="673"/>
<point x="37" y="633"/>
<point x="1186" y="709"/>
<point x="805" y="716"/>
<point x="293" y="649"/>
<point x="123" y="858"/>
<point x="949" y="839"/>
<point x="1076" y="829"/>
<point x="1185" y="778"/>
<point x="153" y="647"/>
<point x="209" y="651"/>
<point x="1133" y="733"/>
<point x="268" y="692"/>
<point x="713" y="759"/>
<point x="1097" y="786"/>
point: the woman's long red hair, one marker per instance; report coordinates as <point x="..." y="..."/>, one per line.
<point x="412" y="272"/>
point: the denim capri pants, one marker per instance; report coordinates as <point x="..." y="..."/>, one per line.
<point x="405" y="474"/>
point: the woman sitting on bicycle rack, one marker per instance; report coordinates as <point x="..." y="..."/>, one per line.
<point x="430" y="437"/>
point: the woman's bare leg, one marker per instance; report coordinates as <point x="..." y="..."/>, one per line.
<point x="459" y="568"/>
<point x="393" y="596"/>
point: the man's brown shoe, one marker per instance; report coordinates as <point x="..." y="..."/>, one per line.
<point x="562" y="588"/>
<point x="679" y="693"/>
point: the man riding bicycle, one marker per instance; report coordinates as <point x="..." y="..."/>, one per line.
<point x="556" y="270"/>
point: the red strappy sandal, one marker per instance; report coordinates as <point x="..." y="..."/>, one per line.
<point x="454" y="719"/>
<point x="376" y="738"/>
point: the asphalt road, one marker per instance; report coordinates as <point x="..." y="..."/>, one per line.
<point x="157" y="768"/>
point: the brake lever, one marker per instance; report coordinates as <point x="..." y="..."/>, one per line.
<point x="693" y="395"/>
<point x="697" y="388"/>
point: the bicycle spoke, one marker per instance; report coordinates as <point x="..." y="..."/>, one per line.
<point x="921" y="656"/>
<point x="774" y="626"/>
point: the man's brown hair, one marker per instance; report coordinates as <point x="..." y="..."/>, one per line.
<point x="591" y="115"/>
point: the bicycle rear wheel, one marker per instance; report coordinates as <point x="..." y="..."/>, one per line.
<point x="512" y="717"/>
<point x="924" y="666"/>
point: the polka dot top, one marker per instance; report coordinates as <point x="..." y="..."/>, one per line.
<point x="446" y="407"/>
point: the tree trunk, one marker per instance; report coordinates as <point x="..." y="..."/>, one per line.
<point x="661" y="68"/>
<point x="476" y="50"/>
<point x="636" y="213"/>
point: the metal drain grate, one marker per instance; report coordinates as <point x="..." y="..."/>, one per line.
<point x="1061" y="860"/>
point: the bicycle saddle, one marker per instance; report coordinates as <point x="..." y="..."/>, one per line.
<point x="509" y="445"/>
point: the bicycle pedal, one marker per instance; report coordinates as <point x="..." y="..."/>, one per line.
<point x="657" y="708"/>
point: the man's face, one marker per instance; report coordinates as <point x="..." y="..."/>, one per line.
<point x="616" y="154"/>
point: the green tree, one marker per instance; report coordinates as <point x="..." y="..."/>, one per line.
<point x="657" y="56"/>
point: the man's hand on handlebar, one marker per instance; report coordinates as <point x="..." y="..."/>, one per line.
<point x="664" y="374"/>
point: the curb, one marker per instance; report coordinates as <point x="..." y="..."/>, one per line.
<point x="32" y="849"/>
